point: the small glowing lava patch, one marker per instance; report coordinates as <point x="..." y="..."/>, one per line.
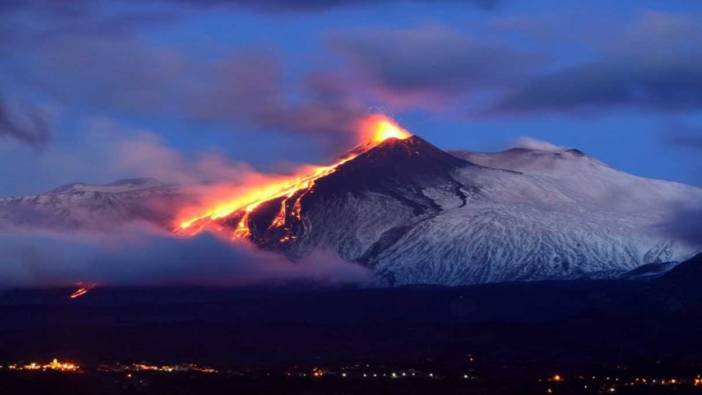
<point x="81" y="291"/>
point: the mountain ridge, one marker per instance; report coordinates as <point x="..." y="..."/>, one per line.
<point x="91" y="206"/>
<point x="481" y="221"/>
<point x="416" y="214"/>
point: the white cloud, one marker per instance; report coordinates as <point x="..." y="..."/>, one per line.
<point x="532" y="143"/>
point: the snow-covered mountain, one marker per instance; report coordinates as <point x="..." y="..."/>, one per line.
<point x="81" y="206"/>
<point x="417" y="214"/>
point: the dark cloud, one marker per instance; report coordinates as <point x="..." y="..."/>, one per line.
<point x="108" y="25"/>
<point x="245" y="89"/>
<point x="685" y="141"/>
<point x="433" y="60"/>
<point x="319" y="5"/>
<point x="48" y="7"/>
<point x="675" y="85"/>
<point x="41" y="41"/>
<point x="652" y="64"/>
<point x="42" y="19"/>
<point x="26" y="124"/>
<point x="105" y="66"/>
<point x="115" y="74"/>
<point x="684" y="224"/>
<point x="78" y="6"/>
<point x="249" y="87"/>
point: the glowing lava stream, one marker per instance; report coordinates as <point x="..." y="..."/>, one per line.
<point x="375" y="129"/>
<point x="82" y="290"/>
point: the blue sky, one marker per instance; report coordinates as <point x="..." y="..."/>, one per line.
<point x="276" y="81"/>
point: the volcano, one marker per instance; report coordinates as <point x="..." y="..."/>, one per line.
<point x="416" y="214"/>
<point x="396" y="171"/>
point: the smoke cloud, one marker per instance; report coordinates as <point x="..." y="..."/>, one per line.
<point x="249" y="88"/>
<point x="532" y="143"/>
<point x="245" y="89"/>
<point x="426" y="64"/>
<point x="305" y="6"/>
<point x="684" y="224"/>
<point x="141" y="255"/>
<point x="652" y="65"/>
<point x="27" y="124"/>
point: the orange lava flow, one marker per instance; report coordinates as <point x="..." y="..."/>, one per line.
<point x="82" y="290"/>
<point x="373" y="130"/>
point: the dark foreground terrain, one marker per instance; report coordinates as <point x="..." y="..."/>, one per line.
<point x="492" y="336"/>
<point x="84" y="384"/>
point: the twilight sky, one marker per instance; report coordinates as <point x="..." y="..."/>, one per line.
<point x="96" y="90"/>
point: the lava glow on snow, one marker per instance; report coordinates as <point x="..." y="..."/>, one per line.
<point x="373" y="130"/>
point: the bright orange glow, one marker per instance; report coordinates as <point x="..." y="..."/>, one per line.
<point x="316" y="372"/>
<point x="249" y="197"/>
<point x="378" y="128"/>
<point x="82" y="290"/>
<point x="259" y="189"/>
<point x="54" y="365"/>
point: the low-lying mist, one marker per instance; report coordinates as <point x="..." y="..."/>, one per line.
<point x="139" y="254"/>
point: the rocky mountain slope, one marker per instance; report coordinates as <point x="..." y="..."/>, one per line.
<point x="416" y="214"/>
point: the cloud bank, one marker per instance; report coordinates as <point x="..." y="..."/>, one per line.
<point x="300" y="6"/>
<point x="125" y="241"/>
<point x="684" y="224"/>
<point x="431" y="63"/>
<point x="652" y="64"/>
<point x="140" y="255"/>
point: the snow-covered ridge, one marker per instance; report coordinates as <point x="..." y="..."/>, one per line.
<point x="119" y="186"/>
<point x="522" y="214"/>
<point x="581" y="179"/>
<point x="81" y="205"/>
